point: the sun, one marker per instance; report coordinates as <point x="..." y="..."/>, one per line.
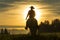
<point x="37" y="12"/>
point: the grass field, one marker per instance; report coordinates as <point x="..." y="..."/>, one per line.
<point x="42" y="36"/>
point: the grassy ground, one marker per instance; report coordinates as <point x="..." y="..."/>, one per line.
<point x="28" y="37"/>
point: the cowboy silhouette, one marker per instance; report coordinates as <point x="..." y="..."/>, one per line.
<point x="31" y="13"/>
<point x="31" y="23"/>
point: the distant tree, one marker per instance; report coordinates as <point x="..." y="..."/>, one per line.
<point x="6" y="31"/>
<point x="2" y="31"/>
<point x="41" y="27"/>
<point x="44" y="26"/>
<point x="56" y="25"/>
<point x="47" y="25"/>
<point x="46" y="22"/>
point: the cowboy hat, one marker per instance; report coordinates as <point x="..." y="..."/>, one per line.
<point x="32" y="7"/>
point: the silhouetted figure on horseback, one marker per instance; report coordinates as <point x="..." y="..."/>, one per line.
<point x="31" y="22"/>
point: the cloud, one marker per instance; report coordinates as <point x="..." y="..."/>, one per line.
<point x="50" y="2"/>
<point x="4" y="6"/>
<point x="11" y="1"/>
<point x="54" y="6"/>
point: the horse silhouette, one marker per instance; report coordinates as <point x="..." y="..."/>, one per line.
<point x="32" y="25"/>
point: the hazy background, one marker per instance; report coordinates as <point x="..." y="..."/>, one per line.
<point x="12" y="11"/>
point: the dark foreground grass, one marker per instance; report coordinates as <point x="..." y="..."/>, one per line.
<point x="28" y="37"/>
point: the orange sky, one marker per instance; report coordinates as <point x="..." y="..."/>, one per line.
<point x="16" y="14"/>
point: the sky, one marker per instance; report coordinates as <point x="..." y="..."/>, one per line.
<point x="12" y="12"/>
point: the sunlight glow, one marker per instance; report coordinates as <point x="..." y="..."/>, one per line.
<point x="37" y="12"/>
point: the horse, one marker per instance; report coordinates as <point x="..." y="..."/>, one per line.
<point x="32" y="24"/>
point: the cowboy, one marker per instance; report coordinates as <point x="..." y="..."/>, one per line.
<point x="31" y="23"/>
<point x="31" y="13"/>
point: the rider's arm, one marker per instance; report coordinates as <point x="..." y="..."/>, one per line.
<point x="27" y="16"/>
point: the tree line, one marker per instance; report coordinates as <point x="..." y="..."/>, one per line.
<point x="47" y="27"/>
